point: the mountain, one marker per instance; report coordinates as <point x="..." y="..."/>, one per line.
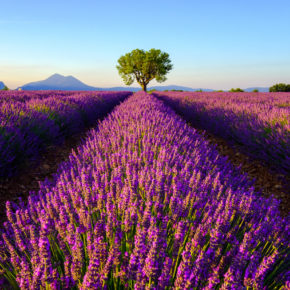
<point x="260" y="89"/>
<point x="2" y="85"/>
<point x="59" y="82"/>
<point x="157" y="88"/>
<point x="132" y="89"/>
<point x="70" y="83"/>
<point x="174" y="87"/>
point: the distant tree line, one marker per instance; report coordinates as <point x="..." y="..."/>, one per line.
<point x="237" y="90"/>
<point x="5" y="88"/>
<point x="280" y="88"/>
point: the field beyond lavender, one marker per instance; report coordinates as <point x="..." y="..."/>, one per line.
<point x="145" y="203"/>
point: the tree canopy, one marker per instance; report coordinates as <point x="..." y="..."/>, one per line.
<point x="237" y="90"/>
<point x="280" y="88"/>
<point x="144" y="66"/>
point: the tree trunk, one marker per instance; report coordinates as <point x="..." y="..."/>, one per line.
<point x="144" y="87"/>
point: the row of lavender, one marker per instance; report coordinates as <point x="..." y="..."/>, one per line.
<point x="260" y="122"/>
<point x="145" y="203"/>
<point x="29" y="121"/>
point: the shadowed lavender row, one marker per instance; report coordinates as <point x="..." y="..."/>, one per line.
<point x="260" y="122"/>
<point x="145" y="203"/>
<point x="29" y="121"/>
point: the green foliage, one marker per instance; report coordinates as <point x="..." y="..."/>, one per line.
<point x="280" y="88"/>
<point x="200" y="90"/>
<point x="255" y="91"/>
<point x="5" y="88"/>
<point x="176" y="90"/>
<point x="144" y="66"/>
<point x="236" y="90"/>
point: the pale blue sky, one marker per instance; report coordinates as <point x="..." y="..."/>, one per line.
<point x="212" y="44"/>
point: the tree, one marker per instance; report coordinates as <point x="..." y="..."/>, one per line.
<point x="144" y="66"/>
<point x="5" y="88"/>
<point x="236" y="90"/>
<point x="280" y="88"/>
<point x="255" y="90"/>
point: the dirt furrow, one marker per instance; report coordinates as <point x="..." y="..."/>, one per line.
<point x="267" y="181"/>
<point x="32" y="173"/>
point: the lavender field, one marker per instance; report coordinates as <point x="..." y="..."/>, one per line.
<point x="30" y="121"/>
<point x="259" y="122"/>
<point x="147" y="203"/>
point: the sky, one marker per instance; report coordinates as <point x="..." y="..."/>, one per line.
<point x="212" y="44"/>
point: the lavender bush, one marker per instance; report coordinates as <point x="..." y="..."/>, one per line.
<point x="259" y="122"/>
<point x="145" y="203"/>
<point x="31" y="120"/>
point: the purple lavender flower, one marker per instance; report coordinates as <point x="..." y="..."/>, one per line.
<point x="145" y="202"/>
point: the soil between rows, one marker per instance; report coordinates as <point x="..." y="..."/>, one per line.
<point x="35" y="171"/>
<point x="268" y="182"/>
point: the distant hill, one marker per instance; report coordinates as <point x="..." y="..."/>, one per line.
<point x="70" y="83"/>
<point x="2" y="85"/>
<point x="173" y="87"/>
<point x="132" y="89"/>
<point x="260" y="89"/>
<point x="59" y="82"/>
<point x="157" y="88"/>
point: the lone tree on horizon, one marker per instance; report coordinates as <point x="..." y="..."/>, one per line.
<point x="144" y="66"/>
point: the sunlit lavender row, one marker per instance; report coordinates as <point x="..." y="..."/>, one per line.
<point x="29" y="121"/>
<point x="260" y="122"/>
<point x="145" y="203"/>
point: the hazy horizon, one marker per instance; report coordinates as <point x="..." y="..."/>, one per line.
<point x="213" y="44"/>
<point x="151" y="84"/>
